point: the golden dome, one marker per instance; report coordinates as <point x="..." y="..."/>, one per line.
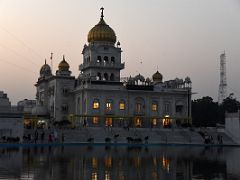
<point x="157" y="77"/>
<point x="102" y="32"/>
<point x="63" y="65"/>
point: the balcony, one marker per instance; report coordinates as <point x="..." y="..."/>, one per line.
<point x="102" y="65"/>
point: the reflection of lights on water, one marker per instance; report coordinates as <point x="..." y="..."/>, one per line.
<point x="137" y="161"/>
<point x="108" y="162"/>
<point x="107" y="175"/>
<point x="155" y="161"/>
<point x="154" y="175"/>
<point x="94" y="176"/>
<point x="166" y="163"/>
<point x="121" y="176"/>
<point x="94" y="162"/>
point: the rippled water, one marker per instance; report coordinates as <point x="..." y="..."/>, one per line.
<point x="120" y="162"/>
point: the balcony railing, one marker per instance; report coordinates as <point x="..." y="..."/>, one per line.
<point x="104" y="65"/>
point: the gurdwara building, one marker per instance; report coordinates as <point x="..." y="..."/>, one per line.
<point x="99" y="96"/>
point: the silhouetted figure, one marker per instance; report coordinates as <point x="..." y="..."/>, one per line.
<point x="50" y="137"/>
<point x="63" y="138"/>
<point x="146" y="139"/>
<point x="29" y="137"/>
<point x="107" y="140"/>
<point x="36" y="136"/>
<point x="90" y="140"/>
<point x="116" y="135"/>
<point x="42" y="137"/>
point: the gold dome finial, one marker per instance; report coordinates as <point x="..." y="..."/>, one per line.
<point x="102" y="8"/>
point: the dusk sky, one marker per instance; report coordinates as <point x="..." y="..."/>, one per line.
<point x="178" y="37"/>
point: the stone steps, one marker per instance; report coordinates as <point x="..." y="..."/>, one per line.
<point x="99" y="134"/>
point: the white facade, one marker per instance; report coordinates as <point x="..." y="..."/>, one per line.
<point x="232" y="125"/>
<point x="98" y="96"/>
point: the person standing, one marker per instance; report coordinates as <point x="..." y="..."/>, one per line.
<point x="63" y="138"/>
<point x="42" y="137"/>
<point x="36" y="136"/>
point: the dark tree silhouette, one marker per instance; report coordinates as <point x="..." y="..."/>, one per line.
<point x="206" y="112"/>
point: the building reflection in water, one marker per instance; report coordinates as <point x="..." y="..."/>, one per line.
<point x="165" y="163"/>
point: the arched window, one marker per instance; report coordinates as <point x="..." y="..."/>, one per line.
<point x="105" y="59"/>
<point x="122" y="105"/>
<point x="96" y="104"/>
<point x="109" y="105"/>
<point x="98" y="77"/>
<point x="139" y="105"/>
<point x="112" y="60"/>
<point x="154" y="106"/>
<point x="105" y="77"/>
<point x="112" y="77"/>
<point x="99" y="59"/>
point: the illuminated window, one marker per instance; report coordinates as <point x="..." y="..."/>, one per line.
<point x="154" y="107"/>
<point x="138" y="107"/>
<point x="121" y="105"/>
<point x="96" y="104"/>
<point x="154" y="121"/>
<point x="138" y="122"/>
<point x="166" y="121"/>
<point x="95" y="120"/>
<point x="109" y="106"/>
<point x="108" y="121"/>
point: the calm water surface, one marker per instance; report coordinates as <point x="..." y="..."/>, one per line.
<point x="120" y="162"/>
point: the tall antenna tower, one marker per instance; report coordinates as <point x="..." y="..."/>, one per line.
<point x="222" y="92"/>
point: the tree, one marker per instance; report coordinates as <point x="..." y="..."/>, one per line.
<point x="205" y="112"/>
<point x="230" y="104"/>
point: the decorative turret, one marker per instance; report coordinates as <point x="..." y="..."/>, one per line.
<point x="63" y="68"/>
<point x="157" y="77"/>
<point x="63" y="65"/>
<point x="45" y="70"/>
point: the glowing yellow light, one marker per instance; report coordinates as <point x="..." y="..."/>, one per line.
<point x="109" y="106"/>
<point x="166" y="163"/>
<point x="122" y="106"/>
<point x="108" y="162"/>
<point x="96" y="105"/>
<point x="94" y="162"/>
<point x="94" y="176"/>
<point x="154" y="107"/>
<point x="138" y="121"/>
<point x="108" y="121"/>
<point x="107" y="175"/>
<point x="154" y="121"/>
<point x="95" y="120"/>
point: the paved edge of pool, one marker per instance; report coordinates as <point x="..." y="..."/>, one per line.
<point x="112" y="144"/>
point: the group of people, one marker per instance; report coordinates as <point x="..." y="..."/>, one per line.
<point x="209" y="139"/>
<point x="52" y="137"/>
